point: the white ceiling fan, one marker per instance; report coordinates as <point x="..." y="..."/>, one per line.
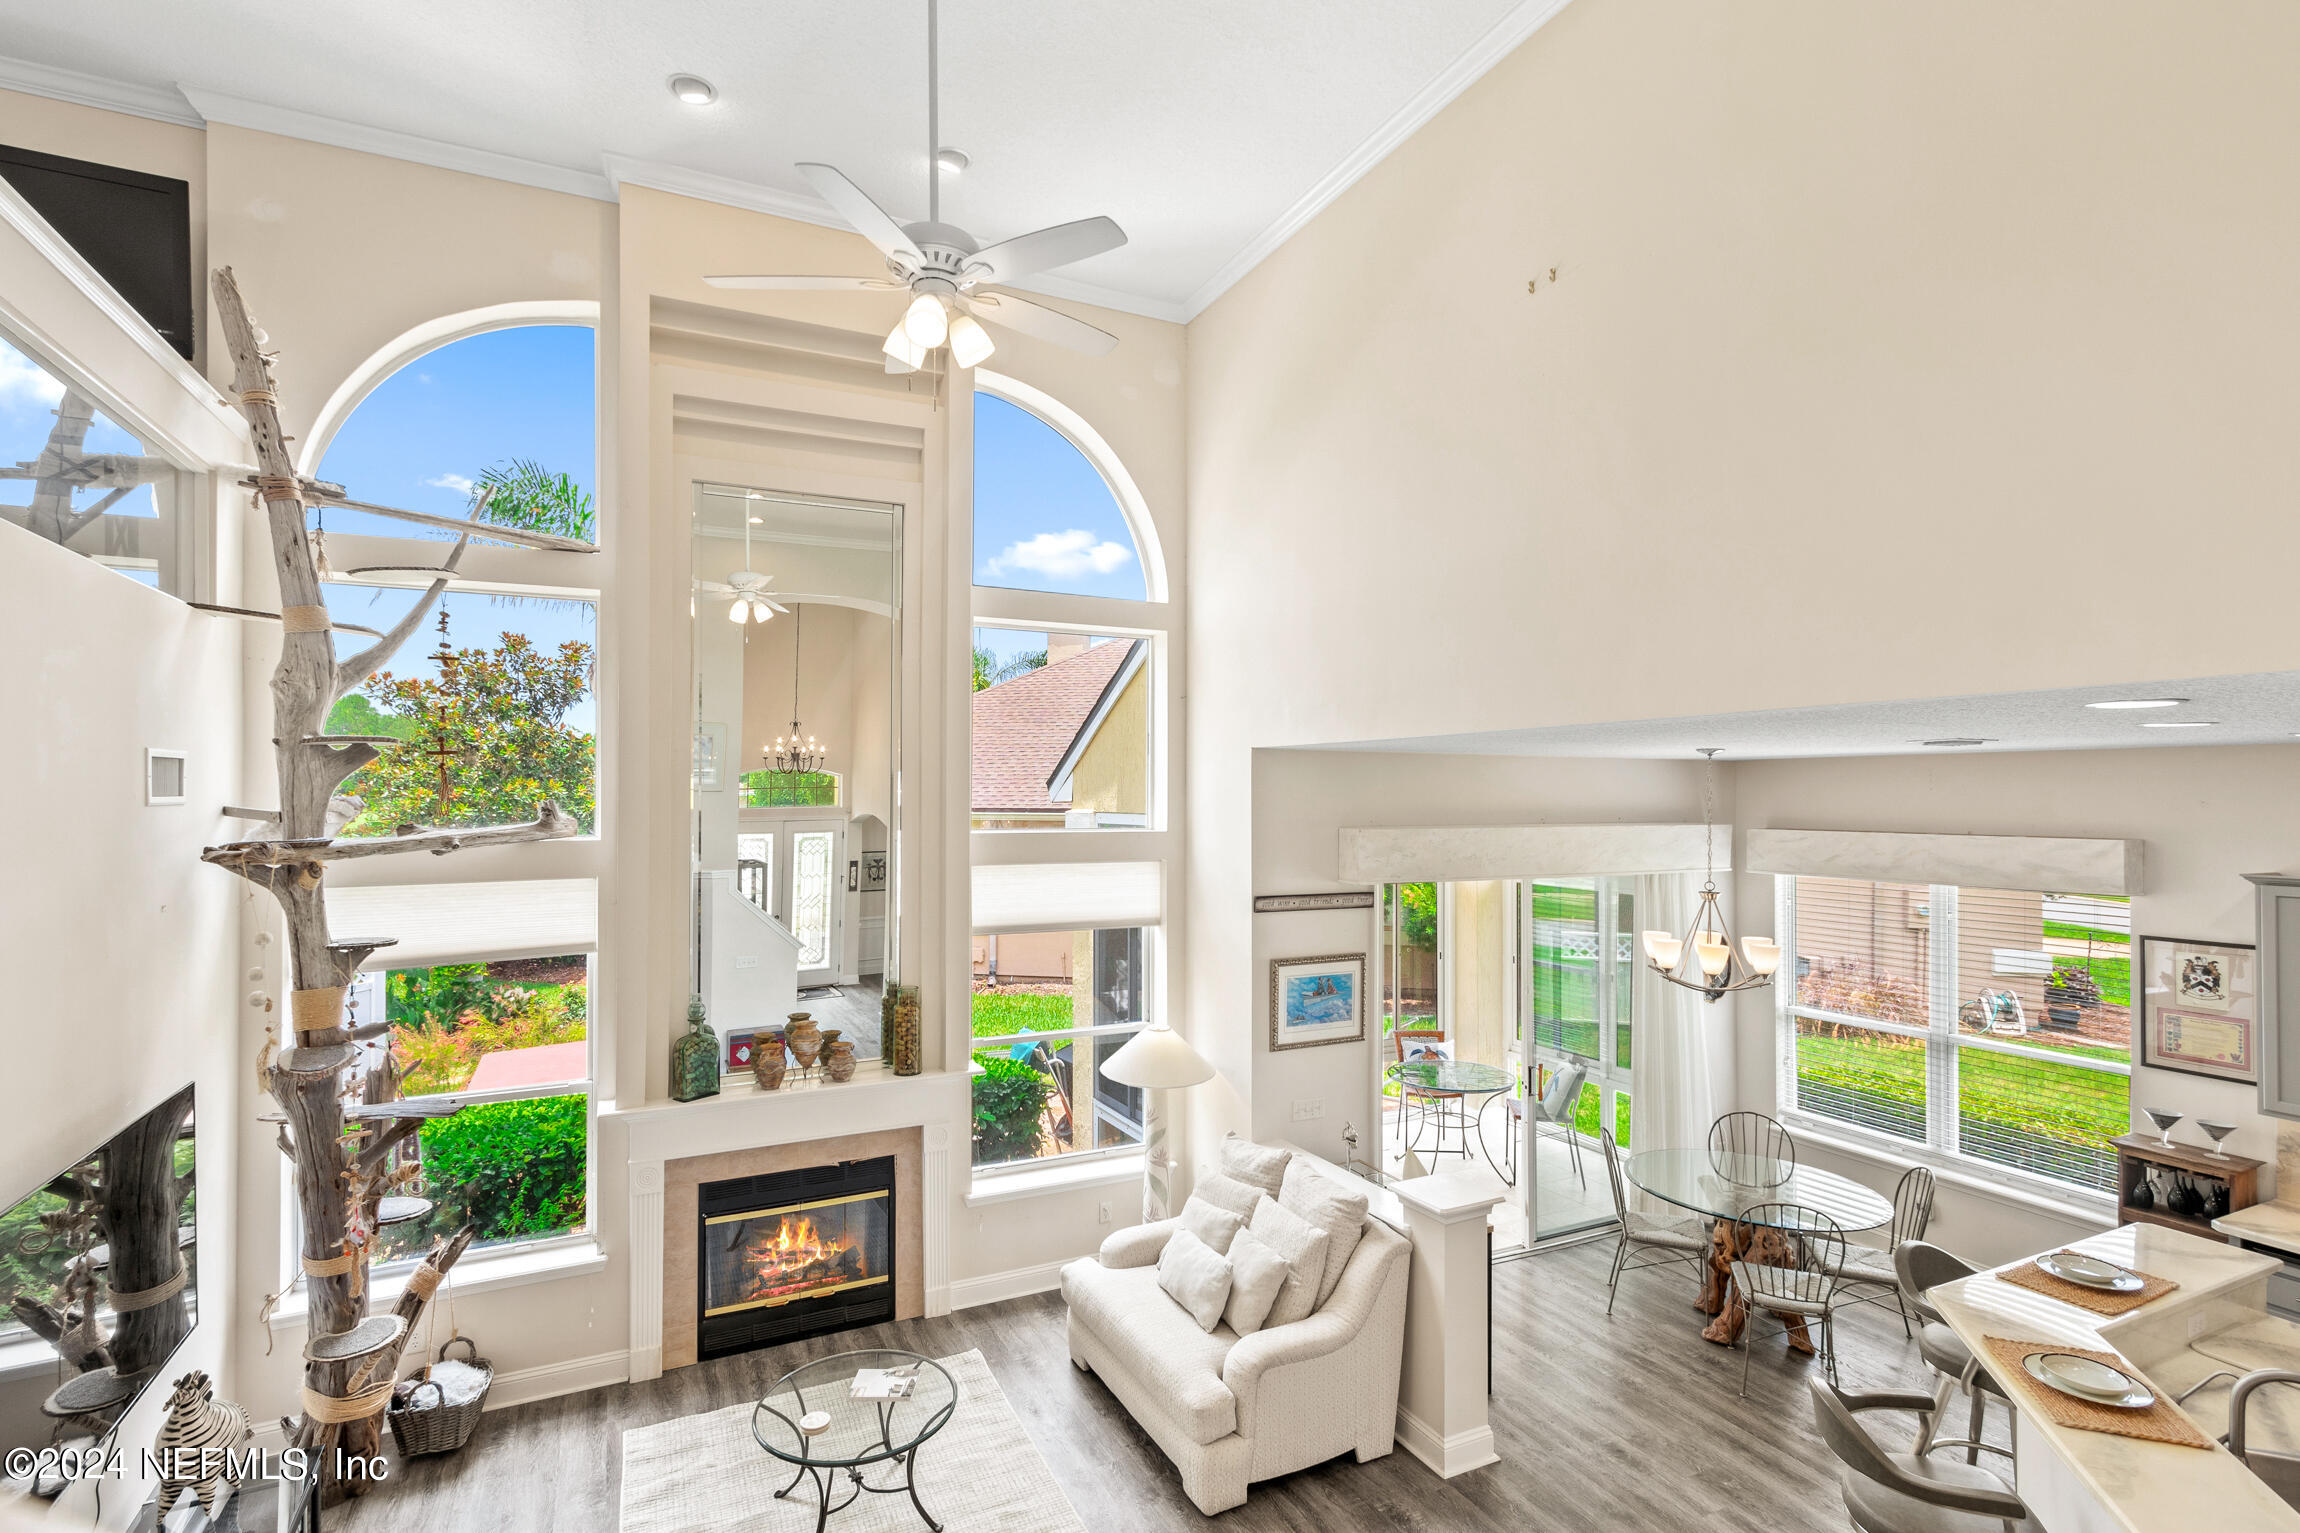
<point x="944" y="268"/>
<point x="747" y="586"/>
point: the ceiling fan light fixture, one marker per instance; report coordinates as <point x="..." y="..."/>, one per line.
<point x="926" y="321"/>
<point x="902" y="351"/>
<point x="970" y="344"/>
<point x="952" y="160"/>
<point x="694" y="90"/>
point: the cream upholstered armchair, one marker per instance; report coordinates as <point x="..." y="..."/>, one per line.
<point x="1230" y="1410"/>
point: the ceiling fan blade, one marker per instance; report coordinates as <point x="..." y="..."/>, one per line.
<point x="1033" y="319"/>
<point x="870" y="220"/>
<point x="714" y="588"/>
<point x="1018" y="257"/>
<point x="808" y="284"/>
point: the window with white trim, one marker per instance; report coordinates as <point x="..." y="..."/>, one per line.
<point x="1989" y="1027"/>
<point x="1050" y="1008"/>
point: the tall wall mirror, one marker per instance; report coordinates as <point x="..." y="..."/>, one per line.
<point x="796" y="602"/>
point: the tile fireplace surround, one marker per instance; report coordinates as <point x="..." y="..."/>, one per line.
<point x="673" y="1148"/>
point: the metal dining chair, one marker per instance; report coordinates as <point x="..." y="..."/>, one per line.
<point x="1554" y="1109"/>
<point x="1889" y="1492"/>
<point x="1788" y="1269"/>
<point x="1418" y="1105"/>
<point x="1869" y="1274"/>
<point x="1645" y="1241"/>
<point x="1921" y="1267"/>
<point x="1747" y="1137"/>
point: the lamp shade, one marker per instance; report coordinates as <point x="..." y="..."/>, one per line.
<point x="1159" y="1058"/>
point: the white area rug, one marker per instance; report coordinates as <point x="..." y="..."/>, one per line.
<point x="979" y="1474"/>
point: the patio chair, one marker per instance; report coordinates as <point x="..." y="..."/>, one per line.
<point x="1420" y="1104"/>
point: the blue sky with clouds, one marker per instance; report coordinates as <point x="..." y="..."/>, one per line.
<point x="1044" y="519"/>
<point x="29" y="394"/>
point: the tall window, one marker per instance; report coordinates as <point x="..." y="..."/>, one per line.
<point x="1061" y="731"/>
<point x="1990" y="1026"/>
<point x="1050" y="1008"/>
<point x="487" y="988"/>
<point x="1044" y="517"/>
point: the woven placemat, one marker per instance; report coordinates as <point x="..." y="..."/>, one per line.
<point x="2101" y="1302"/>
<point x="2159" y="1423"/>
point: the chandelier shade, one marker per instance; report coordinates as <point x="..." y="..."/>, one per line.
<point x="1717" y="965"/>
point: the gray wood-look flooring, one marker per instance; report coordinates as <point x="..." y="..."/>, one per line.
<point x="1630" y="1422"/>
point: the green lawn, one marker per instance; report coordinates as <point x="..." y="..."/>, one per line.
<point x="1001" y="1014"/>
<point x="1561" y="902"/>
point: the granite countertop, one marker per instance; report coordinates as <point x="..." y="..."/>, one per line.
<point x="2270" y="1224"/>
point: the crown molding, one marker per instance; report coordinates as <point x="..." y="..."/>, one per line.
<point x="161" y="103"/>
<point x="263" y="117"/>
<point x="1527" y="18"/>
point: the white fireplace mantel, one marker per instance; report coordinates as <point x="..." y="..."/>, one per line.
<point x="742" y="1117"/>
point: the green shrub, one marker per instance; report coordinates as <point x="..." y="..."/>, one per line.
<point x="1009" y="1096"/>
<point x="510" y="1168"/>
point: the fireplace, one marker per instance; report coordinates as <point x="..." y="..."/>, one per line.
<point x="794" y="1253"/>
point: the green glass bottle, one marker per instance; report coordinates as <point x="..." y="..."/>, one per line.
<point x="695" y="1057"/>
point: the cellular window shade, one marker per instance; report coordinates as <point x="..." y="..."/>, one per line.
<point x="468" y="923"/>
<point x="1066" y="896"/>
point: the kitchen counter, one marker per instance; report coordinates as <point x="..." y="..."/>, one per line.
<point x="2076" y="1481"/>
<point x="2267" y="1224"/>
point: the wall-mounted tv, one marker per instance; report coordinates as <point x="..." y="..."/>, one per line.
<point x="134" y="228"/>
<point x="99" y="1285"/>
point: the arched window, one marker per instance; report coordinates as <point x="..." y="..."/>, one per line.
<point x="1045" y="517"/>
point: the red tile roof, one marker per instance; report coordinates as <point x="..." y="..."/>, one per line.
<point x="1023" y="726"/>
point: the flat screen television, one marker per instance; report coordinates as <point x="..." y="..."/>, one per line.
<point x="99" y="1285"/>
<point x="134" y="228"/>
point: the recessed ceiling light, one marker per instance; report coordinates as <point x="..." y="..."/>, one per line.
<point x="2140" y="702"/>
<point x="757" y="521"/>
<point x="952" y="160"/>
<point x="2180" y="723"/>
<point x="694" y="90"/>
<point x="1968" y="740"/>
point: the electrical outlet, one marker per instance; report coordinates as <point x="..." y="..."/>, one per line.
<point x="747" y="961"/>
<point x="2195" y="1326"/>
<point x="1309" y="1109"/>
<point x="1102" y="1212"/>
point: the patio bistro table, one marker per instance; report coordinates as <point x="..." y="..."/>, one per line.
<point x="1458" y="1077"/>
<point x="1724" y="1188"/>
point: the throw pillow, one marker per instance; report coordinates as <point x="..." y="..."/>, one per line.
<point x="1303" y="1245"/>
<point x="1215" y="1226"/>
<point x="1196" y="1276"/>
<point x="1327" y="1204"/>
<point x="1225" y="1191"/>
<point x="1255" y="1165"/>
<point x="1257" y="1272"/>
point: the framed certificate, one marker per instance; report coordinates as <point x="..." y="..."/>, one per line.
<point x="2197" y="1003"/>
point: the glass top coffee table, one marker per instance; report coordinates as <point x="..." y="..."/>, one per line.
<point x="809" y="1419"/>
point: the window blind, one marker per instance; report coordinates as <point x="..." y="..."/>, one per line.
<point x="466" y="923"/>
<point x="1066" y="896"/>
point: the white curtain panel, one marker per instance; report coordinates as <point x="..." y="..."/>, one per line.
<point x="1671" y="1089"/>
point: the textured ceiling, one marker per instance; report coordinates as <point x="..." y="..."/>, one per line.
<point x="1202" y="126"/>
<point x="2240" y="710"/>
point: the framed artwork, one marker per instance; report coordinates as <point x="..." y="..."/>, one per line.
<point x="2197" y="1008"/>
<point x="874" y="873"/>
<point x="1317" y="1000"/>
<point x="710" y="758"/>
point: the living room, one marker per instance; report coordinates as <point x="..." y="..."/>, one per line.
<point x="1463" y="419"/>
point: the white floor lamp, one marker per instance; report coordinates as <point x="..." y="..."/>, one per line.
<point x="1158" y="1060"/>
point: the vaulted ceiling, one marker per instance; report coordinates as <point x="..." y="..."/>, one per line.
<point x="1209" y="129"/>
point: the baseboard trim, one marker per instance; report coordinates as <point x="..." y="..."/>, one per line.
<point x="966" y="1293"/>
<point x="522" y="1386"/>
<point x="1446" y="1457"/>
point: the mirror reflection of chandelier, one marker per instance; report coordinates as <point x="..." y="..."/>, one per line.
<point x="796" y="755"/>
<point x="1717" y="969"/>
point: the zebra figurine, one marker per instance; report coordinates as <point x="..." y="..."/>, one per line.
<point x="198" y="1423"/>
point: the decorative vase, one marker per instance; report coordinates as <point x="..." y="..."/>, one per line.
<point x="898" y="1017"/>
<point x="768" y="1061"/>
<point x="2143" y="1193"/>
<point x="839" y="1059"/>
<point x="804" y="1039"/>
<point x="695" y="1057"/>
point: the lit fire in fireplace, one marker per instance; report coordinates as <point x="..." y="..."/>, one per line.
<point x="794" y="1255"/>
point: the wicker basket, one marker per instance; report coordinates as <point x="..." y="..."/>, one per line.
<point x="434" y="1426"/>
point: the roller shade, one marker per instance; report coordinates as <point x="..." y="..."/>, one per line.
<point x="1067" y="896"/>
<point x="465" y="923"/>
<point x="2067" y="864"/>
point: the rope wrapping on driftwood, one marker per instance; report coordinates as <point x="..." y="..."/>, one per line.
<point x="259" y="397"/>
<point x="145" y="1298"/>
<point x="316" y="1011"/>
<point x="304" y="620"/>
<point x="423" y="1282"/>
<point x="278" y="487"/>
<point x="336" y="1266"/>
<point x="335" y="1409"/>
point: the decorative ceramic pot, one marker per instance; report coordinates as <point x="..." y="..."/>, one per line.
<point x="899" y="1023"/>
<point x="839" y="1060"/>
<point x="804" y="1039"/>
<point x="695" y="1057"/>
<point x="768" y="1061"/>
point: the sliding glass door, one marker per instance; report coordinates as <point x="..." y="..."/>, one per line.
<point x="1576" y="947"/>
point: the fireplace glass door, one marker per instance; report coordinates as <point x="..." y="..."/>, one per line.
<point x="770" y="1257"/>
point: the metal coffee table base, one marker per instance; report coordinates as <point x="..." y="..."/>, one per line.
<point x="826" y="1478"/>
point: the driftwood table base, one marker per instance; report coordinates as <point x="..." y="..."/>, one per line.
<point x="1717" y="1295"/>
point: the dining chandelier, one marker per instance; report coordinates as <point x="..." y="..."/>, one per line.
<point x="796" y="755"/>
<point x="1705" y="958"/>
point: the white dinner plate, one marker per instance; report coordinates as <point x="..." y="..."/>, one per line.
<point x="2090" y="1272"/>
<point x="2085" y="1379"/>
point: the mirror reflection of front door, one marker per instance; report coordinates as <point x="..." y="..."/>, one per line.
<point x="806" y="877"/>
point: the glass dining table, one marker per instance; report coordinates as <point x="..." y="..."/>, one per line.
<point x="1726" y="1189"/>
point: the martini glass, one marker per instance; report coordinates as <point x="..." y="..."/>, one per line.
<point x="2217" y="1131"/>
<point x="2163" y="1121"/>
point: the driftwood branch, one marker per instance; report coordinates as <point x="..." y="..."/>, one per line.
<point x="81" y="519"/>
<point x="251" y="857"/>
<point x="371" y="659"/>
<point x="319" y="492"/>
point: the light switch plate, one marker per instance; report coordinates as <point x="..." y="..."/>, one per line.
<point x="1309" y="1109"/>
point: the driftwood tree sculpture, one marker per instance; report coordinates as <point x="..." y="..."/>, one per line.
<point x="65" y="466"/>
<point x="343" y="1133"/>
